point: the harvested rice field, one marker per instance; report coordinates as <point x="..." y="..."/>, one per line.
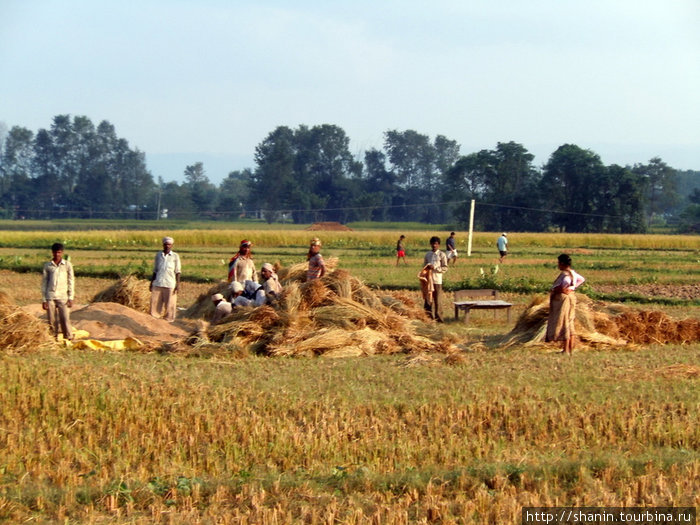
<point x="342" y="402"/>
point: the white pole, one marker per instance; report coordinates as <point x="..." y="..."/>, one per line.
<point x="471" y="229"/>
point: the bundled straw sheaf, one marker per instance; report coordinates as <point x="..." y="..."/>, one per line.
<point x="129" y="291"/>
<point x="21" y="332"/>
<point x="602" y="325"/>
<point x="335" y="316"/>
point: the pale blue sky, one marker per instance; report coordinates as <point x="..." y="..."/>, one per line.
<point x="188" y="81"/>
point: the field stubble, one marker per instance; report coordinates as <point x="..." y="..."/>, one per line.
<point x="108" y="437"/>
<point x="147" y="437"/>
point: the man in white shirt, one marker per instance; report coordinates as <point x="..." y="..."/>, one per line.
<point x="165" y="281"/>
<point x="502" y="244"/>
<point x="435" y="261"/>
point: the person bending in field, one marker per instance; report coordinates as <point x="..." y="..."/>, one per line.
<point x="562" y="305"/>
<point x="435" y="261"/>
<point x="165" y="282"/>
<point x="401" y="250"/>
<point x="222" y="308"/>
<point x="57" y="292"/>
<point x="317" y="267"/>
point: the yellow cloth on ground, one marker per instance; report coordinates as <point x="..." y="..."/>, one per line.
<point x="130" y="343"/>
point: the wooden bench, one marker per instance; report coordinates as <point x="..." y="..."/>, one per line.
<point x="468" y="300"/>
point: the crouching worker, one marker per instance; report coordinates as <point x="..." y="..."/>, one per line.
<point x="223" y="308"/>
<point x="248" y="294"/>
<point x="57" y="292"/>
<point x="271" y="283"/>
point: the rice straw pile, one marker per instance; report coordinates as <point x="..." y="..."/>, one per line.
<point x="129" y="291"/>
<point x="335" y="316"/>
<point x="21" y="332"/>
<point x="600" y="325"/>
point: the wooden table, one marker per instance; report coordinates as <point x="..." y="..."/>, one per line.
<point x="493" y="304"/>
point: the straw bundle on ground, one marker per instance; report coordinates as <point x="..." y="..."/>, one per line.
<point x="21" y="332"/>
<point x="335" y="316"/>
<point x="644" y="327"/>
<point x="129" y="291"/>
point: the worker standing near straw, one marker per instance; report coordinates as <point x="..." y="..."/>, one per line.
<point x="165" y="281"/>
<point x="436" y="262"/>
<point x="57" y="292"/>
<point x="562" y="305"/>
<point x="317" y="267"/>
<point x="242" y="266"/>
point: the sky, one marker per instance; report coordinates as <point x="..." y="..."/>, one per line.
<point x="208" y="80"/>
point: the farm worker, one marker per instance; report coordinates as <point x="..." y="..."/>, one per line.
<point x="241" y="266"/>
<point x="562" y="305"/>
<point x="252" y="295"/>
<point x="400" y="250"/>
<point x="57" y="291"/>
<point x="435" y="261"/>
<point x="222" y="307"/>
<point x="165" y="281"/>
<point x="451" y="245"/>
<point x="502" y="244"/>
<point x="271" y="283"/>
<point x="317" y="268"/>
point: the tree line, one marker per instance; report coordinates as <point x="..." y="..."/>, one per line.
<point x="307" y="174"/>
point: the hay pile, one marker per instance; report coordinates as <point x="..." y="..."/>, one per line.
<point x="129" y="291"/>
<point x="21" y="331"/>
<point x="335" y="316"/>
<point x="604" y="325"/>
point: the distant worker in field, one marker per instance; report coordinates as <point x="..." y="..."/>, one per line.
<point x="165" y="282"/>
<point x="241" y="268"/>
<point x="271" y="283"/>
<point x="502" y="244"/>
<point x="317" y="268"/>
<point x="58" y="292"/>
<point x="562" y="305"/>
<point x="451" y="245"/>
<point x="435" y="261"/>
<point x="222" y="308"/>
<point x="401" y="250"/>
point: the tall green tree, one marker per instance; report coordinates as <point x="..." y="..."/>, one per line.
<point x="16" y="191"/>
<point x="571" y="180"/>
<point x="202" y="191"/>
<point x="273" y="182"/>
<point x="234" y="194"/>
<point x="662" y="187"/>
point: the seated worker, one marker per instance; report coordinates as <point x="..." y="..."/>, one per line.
<point x="223" y="308"/>
<point x="271" y="283"/>
<point x="252" y="294"/>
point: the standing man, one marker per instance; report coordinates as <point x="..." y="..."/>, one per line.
<point x="243" y="268"/>
<point x="57" y="292"/>
<point x="435" y="261"/>
<point x="401" y="250"/>
<point x="451" y="245"/>
<point x="165" y="281"/>
<point x="502" y="244"/>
